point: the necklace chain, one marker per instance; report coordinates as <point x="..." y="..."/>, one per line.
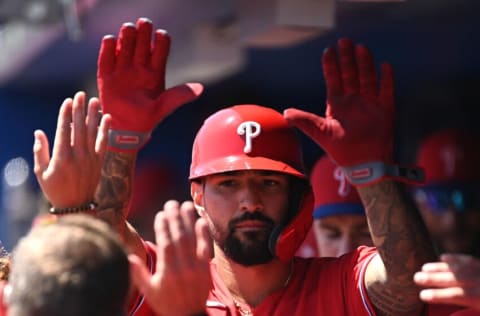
<point x="247" y="311"/>
<point x="241" y="310"/>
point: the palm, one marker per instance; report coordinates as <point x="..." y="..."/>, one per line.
<point x="358" y="123"/>
<point x="69" y="178"/>
<point x="131" y="79"/>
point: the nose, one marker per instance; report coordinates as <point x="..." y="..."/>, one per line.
<point x="346" y="245"/>
<point x="250" y="198"/>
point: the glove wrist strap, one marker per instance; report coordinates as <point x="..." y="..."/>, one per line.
<point x="371" y="172"/>
<point x="127" y="140"/>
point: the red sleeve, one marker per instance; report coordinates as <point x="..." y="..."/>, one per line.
<point x="354" y="287"/>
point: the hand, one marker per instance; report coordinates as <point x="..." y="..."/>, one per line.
<point x="69" y="178"/>
<point x="358" y="123"/>
<point x="131" y="78"/>
<point x="181" y="282"/>
<point x="454" y="280"/>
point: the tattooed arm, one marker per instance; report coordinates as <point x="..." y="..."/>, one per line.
<point x="115" y="188"/>
<point x="403" y="245"/>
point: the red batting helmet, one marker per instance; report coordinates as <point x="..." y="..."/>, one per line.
<point x="253" y="137"/>
<point x="246" y="137"/>
<point x="450" y="156"/>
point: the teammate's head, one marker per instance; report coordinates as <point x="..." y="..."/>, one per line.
<point x="255" y="141"/>
<point x="4" y="264"/>
<point x="450" y="199"/>
<point x="72" y="266"/>
<point x="340" y="224"/>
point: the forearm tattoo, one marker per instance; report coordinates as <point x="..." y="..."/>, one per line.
<point x="403" y="243"/>
<point x="115" y="187"/>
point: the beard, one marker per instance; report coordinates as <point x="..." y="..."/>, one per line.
<point x="247" y="248"/>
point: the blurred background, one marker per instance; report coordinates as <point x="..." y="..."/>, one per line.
<point x="263" y="51"/>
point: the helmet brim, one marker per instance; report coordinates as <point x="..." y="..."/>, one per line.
<point x="240" y="163"/>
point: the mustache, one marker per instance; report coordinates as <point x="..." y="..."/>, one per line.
<point x="250" y="216"/>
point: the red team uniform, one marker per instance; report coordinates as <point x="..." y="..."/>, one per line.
<point x="140" y="306"/>
<point x="314" y="289"/>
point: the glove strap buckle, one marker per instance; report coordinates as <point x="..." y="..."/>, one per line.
<point x="372" y="172"/>
<point x="127" y="140"/>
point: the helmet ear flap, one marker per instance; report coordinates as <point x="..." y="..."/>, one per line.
<point x="285" y="239"/>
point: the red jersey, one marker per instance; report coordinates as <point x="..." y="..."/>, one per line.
<point x="319" y="286"/>
<point x="141" y="307"/>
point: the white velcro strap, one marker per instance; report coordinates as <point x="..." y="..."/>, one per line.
<point x="127" y="140"/>
<point x="374" y="171"/>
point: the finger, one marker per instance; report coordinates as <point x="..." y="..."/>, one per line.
<point x="436" y="279"/>
<point x="41" y="153"/>
<point x="366" y="71"/>
<point x="63" y="134"/>
<point x="160" y="52"/>
<point x="348" y="66"/>
<point x="182" y="237"/>
<point x="436" y="267"/>
<point x="313" y="126"/>
<point x="165" y="246"/>
<point x="189" y="216"/>
<point x="143" y="43"/>
<point x="204" y="241"/>
<point x="386" y="93"/>
<point x="102" y="136"/>
<point x="79" y="128"/>
<point x="92" y="120"/>
<point x="106" y="56"/>
<point x="451" y="295"/>
<point x="139" y="274"/>
<point x="126" y="45"/>
<point x="174" y="97"/>
<point x="331" y="73"/>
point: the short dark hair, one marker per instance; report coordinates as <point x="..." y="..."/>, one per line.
<point x="4" y="263"/>
<point x="74" y="266"/>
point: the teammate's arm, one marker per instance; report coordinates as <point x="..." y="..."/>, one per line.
<point x="357" y="132"/>
<point x="131" y="84"/>
<point x="403" y="245"/>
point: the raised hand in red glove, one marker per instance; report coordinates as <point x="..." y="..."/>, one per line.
<point x="131" y="84"/>
<point x="357" y="130"/>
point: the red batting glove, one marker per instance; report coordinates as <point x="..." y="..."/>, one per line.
<point x="357" y="130"/>
<point x="131" y="83"/>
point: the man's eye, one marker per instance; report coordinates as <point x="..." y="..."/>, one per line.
<point x="271" y="183"/>
<point x="227" y="183"/>
<point x="331" y="233"/>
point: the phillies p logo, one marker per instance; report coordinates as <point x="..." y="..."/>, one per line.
<point x="343" y="185"/>
<point x="251" y="130"/>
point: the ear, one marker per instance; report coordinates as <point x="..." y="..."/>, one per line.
<point x="196" y="191"/>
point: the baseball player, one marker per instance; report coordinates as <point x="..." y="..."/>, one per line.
<point x="449" y="200"/>
<point x="248" y="184"/>
<point x="339" y="222"/>
<point x="74" y="265"/>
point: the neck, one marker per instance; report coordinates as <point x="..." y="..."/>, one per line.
<point x="251" y="285"/>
